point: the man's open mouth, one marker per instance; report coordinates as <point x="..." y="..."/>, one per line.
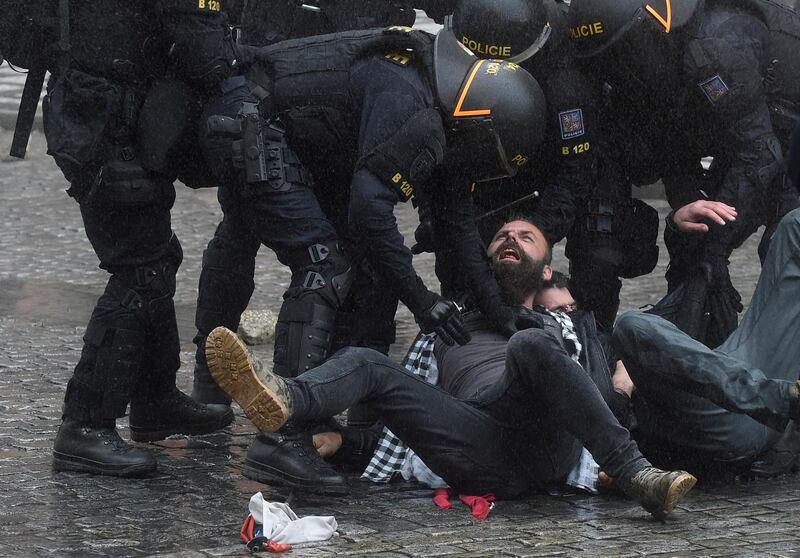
<point x="509" y="254"/>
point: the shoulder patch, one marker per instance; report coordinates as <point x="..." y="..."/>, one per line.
<point x="714" y="88"/>
<point x="397" y="58"/>
<point x="571" y="123"/>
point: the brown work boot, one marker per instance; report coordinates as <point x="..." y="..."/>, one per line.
<point x="265" y="400"/>
<point x="659" y="491"/>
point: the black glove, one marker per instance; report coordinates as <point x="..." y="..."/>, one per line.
<point x="444" y="318"/>
<point x="508" y="320"/>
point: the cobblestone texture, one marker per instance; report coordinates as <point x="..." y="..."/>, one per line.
<point x="193" y="508"/>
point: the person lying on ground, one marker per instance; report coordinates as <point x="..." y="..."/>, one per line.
<point x="522" y="431"/>
<point x="719" y="410"/>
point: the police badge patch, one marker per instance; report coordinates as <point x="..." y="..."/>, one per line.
<point x="714" y="88"/>
<point x="571" y="123"/>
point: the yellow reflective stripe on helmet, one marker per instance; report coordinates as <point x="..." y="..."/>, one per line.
<point x="458" y="112"/>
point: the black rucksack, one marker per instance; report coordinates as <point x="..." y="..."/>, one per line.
<point x="33" y="33"/>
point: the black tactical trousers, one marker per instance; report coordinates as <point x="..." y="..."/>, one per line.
<point x="131" y="348"/>
<point x="289" y="220"/>
<point x="523" y="433"/>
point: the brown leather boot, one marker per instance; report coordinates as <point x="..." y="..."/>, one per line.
<point x="659" y="491"/>
<point x="265" y="398"/>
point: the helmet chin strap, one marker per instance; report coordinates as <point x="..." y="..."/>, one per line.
<point x="535" y="47"/>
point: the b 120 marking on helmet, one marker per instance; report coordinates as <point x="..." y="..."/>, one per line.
<point x="487" y="50"/>
<point x="587" y="30"/>
<point x="665" y="21"/>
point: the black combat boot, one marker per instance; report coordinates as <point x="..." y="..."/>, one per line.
<point x="177" y="413"/>
<point x="204" y="388"/>
<point x="100" y="451"/>
<point x="285" y="457"/>
<point x="292" y="460"/>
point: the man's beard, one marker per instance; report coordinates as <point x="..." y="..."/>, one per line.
<point x="517" y="280"/>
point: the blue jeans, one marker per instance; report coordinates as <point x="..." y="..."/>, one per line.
<point x="523" y="432"/>
<point x="729" y="404"/>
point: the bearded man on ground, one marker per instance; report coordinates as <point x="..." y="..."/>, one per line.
<point x="518" y="432"/>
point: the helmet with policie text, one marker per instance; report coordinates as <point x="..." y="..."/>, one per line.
<point x="635" y="45"/>
<point x="596" y="25"/>
<point x="512" y="30"/>
<point x="493" y="110"/>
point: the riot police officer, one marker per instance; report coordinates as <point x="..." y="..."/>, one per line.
<point x="554" y="187"/>
<point x="221" y="300"/>
<point x="689" y="80"/>
<point x="355" y="123"/>
<point x="121" y="174"/>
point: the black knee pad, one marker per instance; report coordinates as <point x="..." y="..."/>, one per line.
<point x="321" y="279"/>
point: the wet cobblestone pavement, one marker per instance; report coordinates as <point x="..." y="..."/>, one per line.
<point x="195" y="505"/>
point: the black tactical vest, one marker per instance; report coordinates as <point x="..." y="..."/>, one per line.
<point x="108" y="37"/>
<point x="309" y="81"/>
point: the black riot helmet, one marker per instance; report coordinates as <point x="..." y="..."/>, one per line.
<point x="494" y="111"/>
<point x="512" y="30"/>
<point x="596" y="25"/>
<point x="633" y="44"/>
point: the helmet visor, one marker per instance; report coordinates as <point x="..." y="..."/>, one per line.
<point x="476" y="152"/>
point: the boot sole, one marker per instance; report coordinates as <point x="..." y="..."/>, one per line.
<point x="679" y="488"/>
<point x="145" y="434"/>
<point x="265" y="474"/>
<point x="63" y="462"/>
<point x="231" y="367"/>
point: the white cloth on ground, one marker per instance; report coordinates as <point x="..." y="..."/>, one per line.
<point x="282" y="525"/>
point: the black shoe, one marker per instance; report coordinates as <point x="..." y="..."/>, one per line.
<point x="99" y="451"/>
<point x="177" y="413"/>
<point x="782" y="458"/>
<point x="293" y="461"/>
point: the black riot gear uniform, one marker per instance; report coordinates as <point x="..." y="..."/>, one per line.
<point x="360" y="109"/>
<point x="119" y="52"/>
<point x="553" y="188"/>
<point x="691" y="80"/>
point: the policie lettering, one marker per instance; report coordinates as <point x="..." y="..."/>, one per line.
<point x="489" y="50"/>
<point x="586" y="31"/>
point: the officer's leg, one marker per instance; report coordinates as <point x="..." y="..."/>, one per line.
<point x="697" y="398"/>
<point x="225" y="287"/>
<point x="283" y="213"/>
<point x="126" y="217"/>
